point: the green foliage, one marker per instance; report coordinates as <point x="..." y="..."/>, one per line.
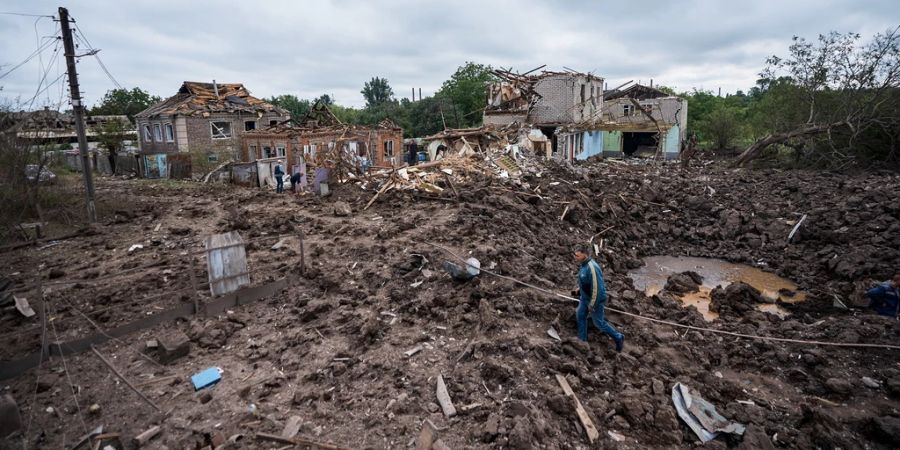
<point x="124" y="102"/>
<point x="466" y="92"/>
<point x="297" y="107"/>
<point x="377" y="92"/>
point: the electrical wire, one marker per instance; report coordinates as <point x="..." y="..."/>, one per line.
<point x="670" y="323"/>
<point x="79" y="35"/>
<point x="25" y="15"/>
<point x="41" y="48"/>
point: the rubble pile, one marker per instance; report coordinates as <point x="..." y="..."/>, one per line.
<point x="374" y="345"/>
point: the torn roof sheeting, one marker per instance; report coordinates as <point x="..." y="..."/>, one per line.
<point x="195" y="98"/>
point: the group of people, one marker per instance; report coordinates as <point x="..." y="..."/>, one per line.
<point x="279" y="173"/>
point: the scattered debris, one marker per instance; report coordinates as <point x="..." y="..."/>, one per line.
<point x="135" y="247"/>
<point x="701" y="416"/>
<point x="206" y="378"/>
<point x="443" y="397"/>
<point x="23" y="307"/>
<point x="473" y="269"/>
<point x="413" y="351"/>
<point x="586" y="421"/>
<point x="172" y="346"/>
<point x="145" y="437"/>
<point x="552" y="333"/>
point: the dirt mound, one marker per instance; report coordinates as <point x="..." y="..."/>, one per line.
<point x="332" y="348"/>
<point x="684" y="282"/>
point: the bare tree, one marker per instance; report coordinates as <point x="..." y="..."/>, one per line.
<point x="843" y="85"/>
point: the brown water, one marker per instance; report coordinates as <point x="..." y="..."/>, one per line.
<point x="651" y="278"/>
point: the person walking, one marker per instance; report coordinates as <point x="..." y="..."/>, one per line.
<point x="592" y="298"/>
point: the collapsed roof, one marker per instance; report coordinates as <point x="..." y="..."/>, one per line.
<point x="197" y="99"/>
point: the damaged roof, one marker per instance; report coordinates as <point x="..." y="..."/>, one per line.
<point x="637" y="92"/>
<point x="200" y="99"/>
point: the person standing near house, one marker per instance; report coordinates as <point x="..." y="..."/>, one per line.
<point x="295" y="182"/>
<point x="279" y="177"/>
<point x="413" y="156"/>
<point x="885" y="298"/>
<point x="592" y="298"/>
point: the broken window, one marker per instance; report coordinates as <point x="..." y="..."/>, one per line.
<point x="252" y="152"/>
<point x="249" y="125"/>
<point x="147" y="136"/>
<point x="388" y="150"/>
<point x="593" y="97"/>
<point x="267" y="152"/>
<point x="279" y="151"/>
<point x="220" y="129"/>
<point x="170" y="132"/>
<point x="272" y="123"/>
<point x="212" y="157"/>
<point x="582" y="94"/>
<point x="157" y="133"/>
<point x="627" y="110"/>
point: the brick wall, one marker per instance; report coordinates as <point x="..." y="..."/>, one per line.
<point x="208" y="152"/>
<point x="562" y="101"/>
<point x="155" y="145"/>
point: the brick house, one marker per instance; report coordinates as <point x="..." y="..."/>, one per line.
<point x="581" y="120"/>
<point x="321" y="140"/>
<point x="548" y="101"/>
<point x="201" y="126"/>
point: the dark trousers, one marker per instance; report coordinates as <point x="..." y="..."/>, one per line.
<point x="279" y="187"/>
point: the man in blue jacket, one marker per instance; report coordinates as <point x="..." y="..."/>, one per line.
<point x="279" y="177"/>
<point x="592" y="298"/>
<point x="885" y="298"/>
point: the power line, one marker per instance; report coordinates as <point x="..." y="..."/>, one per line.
<point x="93" y="52"/>
<point x="43" y="47"/>
<point x="25" y="15"/>
<point x="81" y="37"/>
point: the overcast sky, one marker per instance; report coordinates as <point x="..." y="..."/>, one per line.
<point x="334" y="47"/>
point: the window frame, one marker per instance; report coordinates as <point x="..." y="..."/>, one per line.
<point x="212" y="131"/>
<point x="157" y="133"/>
<point x="247" y="122"/>
<point x="148" y="134"/>
<point x="169" y="132"/>
<point x="280" y="151"/>
<point x="627" y="110"/>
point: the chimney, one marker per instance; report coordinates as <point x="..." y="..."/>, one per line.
<point x="216" y="88"/>
<point x="413" y="94"/>
<point x="420" y="93"/>
<point x="651" y="83"/>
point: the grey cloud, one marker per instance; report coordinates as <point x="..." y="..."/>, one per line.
<point x="310" y="48"/>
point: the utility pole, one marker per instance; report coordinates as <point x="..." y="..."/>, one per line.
<point x="78" y="109"/>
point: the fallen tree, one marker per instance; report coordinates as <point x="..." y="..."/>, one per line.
<point x="832" y="98"/>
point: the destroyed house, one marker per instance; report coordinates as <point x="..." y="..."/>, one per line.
<point x="642" y="121"/>
<point x="201" y="126"/>
<point x="547" y="101"/>
<point x="321" y="140"/>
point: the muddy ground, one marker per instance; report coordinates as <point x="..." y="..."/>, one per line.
<point x="329" y="349"/>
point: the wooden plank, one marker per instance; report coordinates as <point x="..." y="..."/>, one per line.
<point x="586" y="421"/>
<point x="443" y="398"/>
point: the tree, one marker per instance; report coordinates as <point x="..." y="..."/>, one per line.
<point x="124" y="102"/>
<point x="326" y="100"/>
<point x="845" y="91"/>
<point x="722" y="126"/>
<point x="297" y="107"/>
<point x="110" y="136"/>
<point x="377" y="91"/>
<point x="467" y="92"/>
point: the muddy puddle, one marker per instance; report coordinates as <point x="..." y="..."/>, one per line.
<point x="652" y="276"/>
